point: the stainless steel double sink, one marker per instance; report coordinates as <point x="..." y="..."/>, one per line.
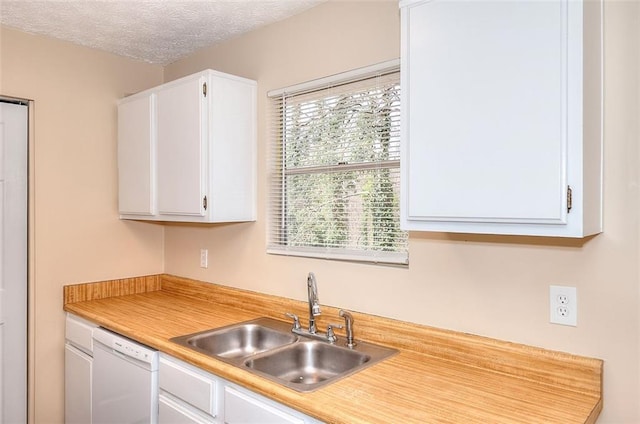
<point x="268" y="348"/>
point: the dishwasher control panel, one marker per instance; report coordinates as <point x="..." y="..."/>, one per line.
<point x="131" y="349"/>
<point x="126" y="347"/>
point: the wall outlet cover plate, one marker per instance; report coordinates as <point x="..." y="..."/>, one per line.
<point x="563" y="305"/>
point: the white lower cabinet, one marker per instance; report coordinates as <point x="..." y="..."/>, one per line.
<point x="242" y="408"/>
<point x="189" y="395"/>
<point x="77" y="385"/>
<point x="78" y="368"/>
<point x="174" y="411"/>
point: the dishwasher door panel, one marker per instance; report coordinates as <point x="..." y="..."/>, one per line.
<point x="124" y="392"/>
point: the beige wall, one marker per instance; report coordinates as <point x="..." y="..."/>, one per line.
<point x="76" y="236"/>
<point x="493" y="286"/>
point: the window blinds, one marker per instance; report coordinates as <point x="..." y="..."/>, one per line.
<point x="335" y="170"/>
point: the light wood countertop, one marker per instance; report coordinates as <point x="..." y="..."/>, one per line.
<point x="439" y="376"/>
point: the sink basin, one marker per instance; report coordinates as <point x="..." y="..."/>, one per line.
<point x="268" y="348"/>
<point x="307" y="365"/>
<point x="240" y="340"/>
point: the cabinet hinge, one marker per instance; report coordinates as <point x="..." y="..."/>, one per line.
<point x="204" y="203"/>
<point x="204" y="89"/>
<point x="569" y="199"/>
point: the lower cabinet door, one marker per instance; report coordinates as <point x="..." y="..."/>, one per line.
<point x="240" y="408"/>
<point x="77" y="386"/>
<point x="172" y="412"/>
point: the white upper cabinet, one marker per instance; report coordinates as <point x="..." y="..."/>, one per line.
<point x="502" y="117"/>
<point x="182" y="144"/>
<point x="198" y="157"/>
<point x="136" y="156"/>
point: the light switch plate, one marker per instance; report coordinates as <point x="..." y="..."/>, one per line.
<point x="204" y="258"/>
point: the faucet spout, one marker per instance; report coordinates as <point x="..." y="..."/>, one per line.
<point x="314" y="305"/>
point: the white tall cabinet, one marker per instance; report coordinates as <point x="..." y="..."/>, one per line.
<point x="502" y="117"/>
<point x="187" y="150"/>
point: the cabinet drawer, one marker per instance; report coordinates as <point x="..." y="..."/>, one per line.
<point x="171" y="412"/>
<point x="186" y="383"/>
<point x="80" y="333"/>
<point x="240" y="408"/>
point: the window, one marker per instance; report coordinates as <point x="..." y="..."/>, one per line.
<point x="336" y="168"/>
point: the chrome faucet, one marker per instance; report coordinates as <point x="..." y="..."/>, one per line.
<point x="314" y="311"/>
<point x="314" y="306"/>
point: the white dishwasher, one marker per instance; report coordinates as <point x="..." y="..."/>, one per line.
<point x="125" y="380"/>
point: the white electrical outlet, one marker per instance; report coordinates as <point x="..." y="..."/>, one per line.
<point x="563" y="305"/>
<point x="204" y="258"/>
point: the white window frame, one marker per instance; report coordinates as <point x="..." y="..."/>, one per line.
<point x="400" y="257"/>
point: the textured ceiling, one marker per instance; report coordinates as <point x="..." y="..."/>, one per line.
<point x="155" y="31"/>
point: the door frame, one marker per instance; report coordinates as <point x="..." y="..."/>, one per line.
<point x="30" y="263"/>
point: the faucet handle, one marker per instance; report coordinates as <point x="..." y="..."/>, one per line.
<point x="331" y="336"/>
<point x="296" y="320"/>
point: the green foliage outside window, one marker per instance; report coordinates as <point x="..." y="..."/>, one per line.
<point x="341" y="171"/>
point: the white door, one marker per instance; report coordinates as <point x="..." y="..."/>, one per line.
<point x="13" y="263"/>
<point x="136" y="156"/>
<point x="490" y="93"/>
<point x="77" y="385"/>
<point x="181" y="140"/>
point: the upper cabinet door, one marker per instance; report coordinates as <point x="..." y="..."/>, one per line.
<point x="182" y="140"/>
<point x="502" y="117"/>
<point x="136" y="155"/>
